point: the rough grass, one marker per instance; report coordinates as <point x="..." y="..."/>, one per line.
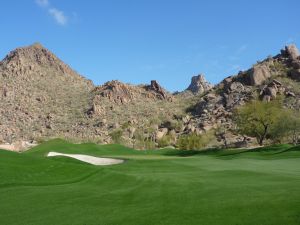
<point x="260" y="186"/>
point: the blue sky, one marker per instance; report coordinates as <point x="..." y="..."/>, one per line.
<point x="136" y="41"/>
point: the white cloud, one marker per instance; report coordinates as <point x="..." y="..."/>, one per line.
<point x="42" y="3"/>
<point x="59" y="16"/>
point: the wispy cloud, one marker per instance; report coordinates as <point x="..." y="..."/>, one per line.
<point x="241" y="49"/>
<point x="42" y="3"/>
<point x="59" y="16"/>
<point x="236" y="54"/>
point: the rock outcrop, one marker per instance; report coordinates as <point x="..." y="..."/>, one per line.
<point x="116" y="92"/>
<point x="157" y="91"/>
<point x="291" y="52"/>
<point x="199" y="85"/>
<point x="267" y="79"/>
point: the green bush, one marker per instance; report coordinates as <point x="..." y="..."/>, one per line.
<point x="193" y="141"/>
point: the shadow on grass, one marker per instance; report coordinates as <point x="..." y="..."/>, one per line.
<point x="187" y="153"/>
<point x="290" y="149"/>
<point x="273" y="149"/>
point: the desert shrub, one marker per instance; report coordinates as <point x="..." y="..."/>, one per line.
<point x="116" y="136"/>
<point x="149" y="144"/>
<point x="193" y="141"/>
<point x="165" y="141"/>
<point x="125" y="125"/>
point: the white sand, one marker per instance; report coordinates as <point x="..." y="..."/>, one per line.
<point x="89" y="159"/>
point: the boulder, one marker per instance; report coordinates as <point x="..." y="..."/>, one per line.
<point x="259" y="74"/>
<point x="292" y="52"/>
<point x="290" y="94"/>
<point x="161" y="133"/>
<point x="271" y="91"/>
<point x="236" y="87"/>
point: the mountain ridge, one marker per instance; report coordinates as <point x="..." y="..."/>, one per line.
<point x="36" y="105"/>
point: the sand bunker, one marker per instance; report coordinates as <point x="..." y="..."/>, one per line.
<point x="89" y="159"/>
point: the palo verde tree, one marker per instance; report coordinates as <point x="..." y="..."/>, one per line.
<point x="257" y="118"/>
<point x="288" y="127"/>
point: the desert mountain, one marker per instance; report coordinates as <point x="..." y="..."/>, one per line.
<point x="39" y="94"/>
<point x="42" y="97"/>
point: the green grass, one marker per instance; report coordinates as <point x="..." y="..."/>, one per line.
<point x="261" y="186"/>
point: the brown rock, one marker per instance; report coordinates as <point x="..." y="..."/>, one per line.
<point x="199" y="85"/>
<point x="236" y="87"/>
<point x="161" y="133"/>
<point x="271" y="91"/>
<point x="259" y="74"/>
<point x="158" y="90"/>
<point x="292" y="52"/>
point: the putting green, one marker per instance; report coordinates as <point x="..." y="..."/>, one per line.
<point x="152" y="187"/>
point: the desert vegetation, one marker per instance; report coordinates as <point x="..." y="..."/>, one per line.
<point x="268" y="121"/>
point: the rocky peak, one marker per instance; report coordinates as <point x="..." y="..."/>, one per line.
<point x="291" y="51"/>
<point x="199" y="85"/>
<point x="33" y="58"/>
<point x="33" y="53"/>
<point x="158" y="90"/>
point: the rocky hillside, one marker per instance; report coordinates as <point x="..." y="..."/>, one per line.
<point x="40" y="97"/>
<point x="132" y="108"/>
<point x="278" y="75"/>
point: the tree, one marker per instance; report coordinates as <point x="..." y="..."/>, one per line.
<point x="257" y="118"/>
<point x="287" y="127"/>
